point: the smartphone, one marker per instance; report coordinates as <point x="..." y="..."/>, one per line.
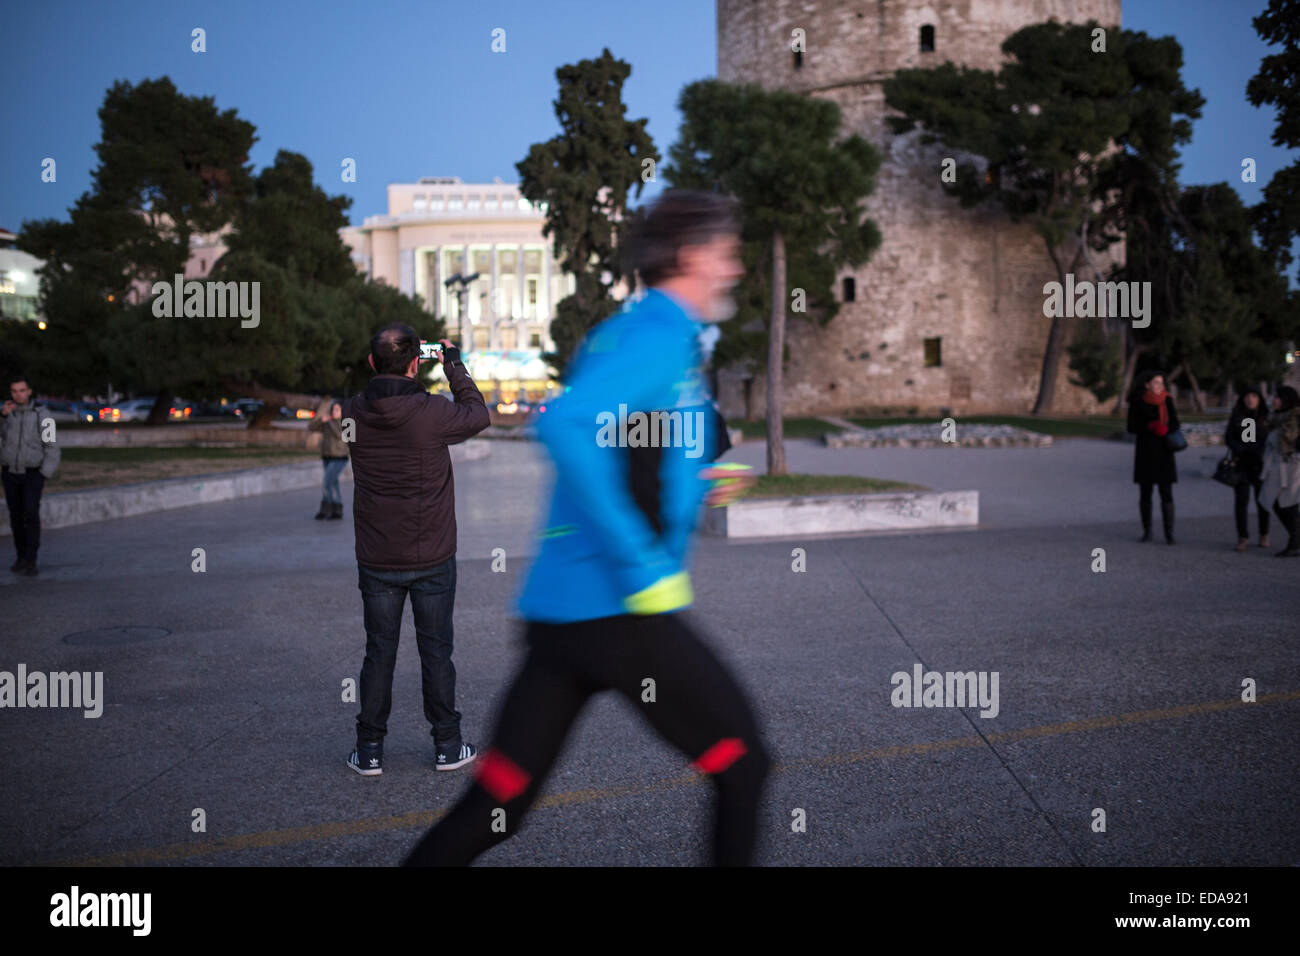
<point x="430" y="350"/>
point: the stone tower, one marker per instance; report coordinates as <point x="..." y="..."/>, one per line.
<point x="948" y="312"/>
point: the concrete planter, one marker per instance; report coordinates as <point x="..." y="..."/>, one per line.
<point x="122" y="501"/>
<point x="831" y="514"/>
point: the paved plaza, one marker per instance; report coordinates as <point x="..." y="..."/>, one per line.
<point x="1118" y="691"/>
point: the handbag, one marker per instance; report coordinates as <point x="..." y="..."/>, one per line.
<point x="1176" y="440"/>
<point x="1229" y="472"/>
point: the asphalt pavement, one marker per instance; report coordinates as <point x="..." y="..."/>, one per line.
<point x="1118" y="691"/>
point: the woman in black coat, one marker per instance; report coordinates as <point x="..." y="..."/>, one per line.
<point x="1151" y="416"/>
<point x="1249" y="456"/>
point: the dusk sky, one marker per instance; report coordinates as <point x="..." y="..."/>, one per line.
<point x="412" y="89"/>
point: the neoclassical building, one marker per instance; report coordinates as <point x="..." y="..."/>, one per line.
<point x="440" y="228"/>
<point x="949" y="311"/>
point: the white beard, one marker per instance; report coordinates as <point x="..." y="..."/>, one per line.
<point x="723" y="308"/>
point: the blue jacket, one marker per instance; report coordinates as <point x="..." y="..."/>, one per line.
<point x="624" y="506"/>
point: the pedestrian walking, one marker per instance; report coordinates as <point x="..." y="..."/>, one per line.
<point x="334" y="457"/>
<point x="604" y="599"/>
<point x="1281" y="489"/>
<point x="1247" y="426"/>
<point x="1152" y="418"/>
<point x="404" y="515"/>
<point x="27" y="459"/>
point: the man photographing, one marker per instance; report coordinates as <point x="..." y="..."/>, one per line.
<point x="404" y="513"/>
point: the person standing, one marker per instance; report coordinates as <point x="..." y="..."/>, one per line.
<point x="1249" y="457"/>
<point x="404" y="514"/>
<point x="1282" y="467"/>
<point x="604" y="599"/>
<point x="1152" y="416"/>
<point x="334" y="457"/>
<point x="26" y="460"/>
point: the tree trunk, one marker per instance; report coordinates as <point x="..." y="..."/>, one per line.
<point x="158" y="415"/>
<point x="1056" y="339"/>
<point x="274" y="399"/>
<point x="775" y="363"/>
<point x="1126" y="380"/>
<point x="749" y="398"/>
<point x="1198" y="400"/>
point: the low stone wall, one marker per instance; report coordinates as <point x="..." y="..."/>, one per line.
<point x="930" y="435"/>
<point x="830" y="514"/>
<point x="122" y="501"/>
<point x="281" y="435"/>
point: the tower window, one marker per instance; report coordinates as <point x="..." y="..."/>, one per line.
<point x="850" y="289"/>
<point x="927" y="39"/>
<point x="798" y="59"/>
<point x="933" y="355"/>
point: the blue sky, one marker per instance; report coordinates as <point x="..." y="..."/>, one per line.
<point x="412" y="89"/>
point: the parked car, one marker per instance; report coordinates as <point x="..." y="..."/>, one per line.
<point x="132" y="410"/>
<point x="246" y="408"/>
<point x="65" y="411"/>
<point x="138" y="409"/>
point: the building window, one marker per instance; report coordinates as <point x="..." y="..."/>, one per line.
<point x="508" y="335"/>
<point x="850" y="289"/>
<point x="927" y="39"/>
<point x="420" y="203"/>
<point x="933" y="353"/>
<point x="480" y="338"/>
<point x="455" y="202"/>
<point x="475" y="202"/>
<point x="524" y="204"/>
<point x="532" y="294"/>
<point x="535" y="340"/>
<point x="491" y="203"/>
<point x="437" y="204"/>
<point x="798" y="59"/>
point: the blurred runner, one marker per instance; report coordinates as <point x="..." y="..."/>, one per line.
<point x="631" y="441"/>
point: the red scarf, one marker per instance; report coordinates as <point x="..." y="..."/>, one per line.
<point x="1158" y="400"/>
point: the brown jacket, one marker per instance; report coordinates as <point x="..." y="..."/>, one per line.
<point x="404" y="504"/>
<point x="332" y="444"/>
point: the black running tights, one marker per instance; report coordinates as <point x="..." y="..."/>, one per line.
<point x="696" y="706"/>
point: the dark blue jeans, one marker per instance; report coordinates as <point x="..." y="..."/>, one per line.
<point x="330" y="489"/>
<point x="23" y="496"/>
<point x="383" y="596"/>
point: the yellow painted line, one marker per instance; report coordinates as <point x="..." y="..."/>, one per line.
<point x="425" y="818"/>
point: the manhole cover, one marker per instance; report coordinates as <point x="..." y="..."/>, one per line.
<point x="105" y="636"/>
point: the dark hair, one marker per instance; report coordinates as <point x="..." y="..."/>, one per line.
<point x="1140" y="383"/>
<point x="394" y="347"/>
<point x="1241" y="402"/>
<point x="1290" y="398"/>
<point x="18" y="377"/>
<point x="680" y="217"/>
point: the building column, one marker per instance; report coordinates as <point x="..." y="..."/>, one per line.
<point x="521" y="281"/>
<point x="544" y="304"/>
<point x="406" y="271"/>
<point x="435" y="280"/>
<point x="467" y="329"/>
<point x="494" y="334"/>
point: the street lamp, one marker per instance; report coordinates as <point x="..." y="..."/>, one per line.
<point x="459" y="285"/>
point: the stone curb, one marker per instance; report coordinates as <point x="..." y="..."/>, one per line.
<point x="833" y="514"/>
<point x="69" y="508"/>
